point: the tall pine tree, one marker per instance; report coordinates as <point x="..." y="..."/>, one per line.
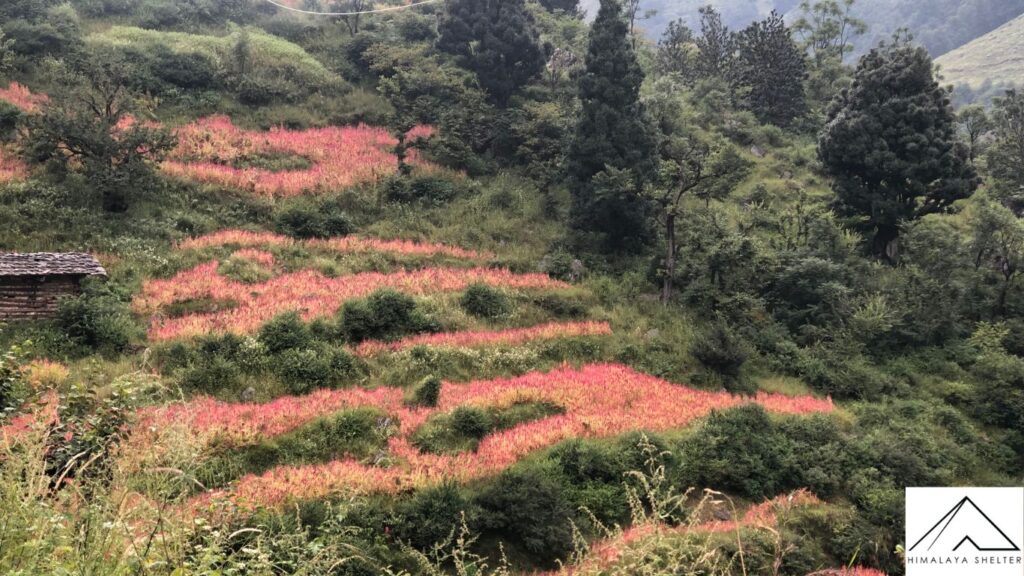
<point x="495" y="39"/>
<point x="772" y="70"/>
<point x="716" y="47"/>
<point x="891" y="146"/>
<point x="612" y="139"/>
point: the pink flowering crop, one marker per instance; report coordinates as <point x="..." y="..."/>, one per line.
<point x="343" y="245"/>
<point x="600" y="401"/>
<point x="22" y="97"/>
<point x="261" y="257"/>
<point x="11" y="167"/>
<point x="340" y="156"/>
<point x="509" y="337"/>
<point x="310" y="293"/>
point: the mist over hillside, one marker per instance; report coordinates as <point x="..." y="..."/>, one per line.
<point x="940" y="25"/>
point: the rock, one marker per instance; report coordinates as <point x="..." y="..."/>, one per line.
<point x="249" y="394"/>
<point x="757" y="151"/>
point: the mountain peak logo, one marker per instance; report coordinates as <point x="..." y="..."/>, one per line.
<point x="964" y="532"/>
<point x="966" y="524"/>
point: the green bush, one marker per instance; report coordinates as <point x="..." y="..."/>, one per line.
<point x="428" y="392"/>
<point x="285" y="332"/>
<point x="307" y="221"/>
<point x="433" y="515"/>
<point x="420" y="189"/>
<point x="471" y="422"/>
<point x="211" y="374"/>
<point x="303" y="371"/>
<point x="385" y="315"/>
<point x="97" y="319"/>
<point x="721" y="350"/>
<point x="528" y="508"/>
<point x="483" y="301"/>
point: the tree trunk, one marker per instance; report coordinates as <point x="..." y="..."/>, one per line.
<point x="670" y="258"/>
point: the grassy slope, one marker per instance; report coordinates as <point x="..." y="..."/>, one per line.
<point x="997" y="56"/>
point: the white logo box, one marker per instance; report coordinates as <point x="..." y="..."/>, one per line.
<point x="965" y="531"/>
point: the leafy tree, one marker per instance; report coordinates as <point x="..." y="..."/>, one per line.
<point x="87" y="127"/>
<point x="890" y="145"/>
<point x="716" y="47"/>
<point x="828" y="28"/>
<point x="497" y="40"/>
<point x="1006" y="157"/>
<point x="974" y="123"/>
<point x="677" y="51"/>
<point x="611" y="134"/>
<point x="6" y="55"/>
<point x="772" y="70"/>
<point x="999" y="245"/>
<point x="691" y="167"/>
<point x="568" y="6"/>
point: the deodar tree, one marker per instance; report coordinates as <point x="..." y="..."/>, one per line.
<point x="611" y="137"/>
<point x="772" y="71"/>
<point x="495" y="39"/>
<point x="891" y="148"/>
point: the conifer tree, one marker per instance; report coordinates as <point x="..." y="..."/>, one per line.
<point x="611" y="137"/>
<point x="716" y="47"/>
<point x="891" y="147"/>
<point x="772" y="70"/>
<point x="495" y="39"/>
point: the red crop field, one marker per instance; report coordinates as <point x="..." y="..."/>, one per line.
<point x="22" y="97"/>
<point x="600" y="401"/>
<point x="474" y="339"/>
<point x="343" y="245"/>
<point x="310" y="293"/>
<point x="11" y="167"/>
<point x="210" y="149"/>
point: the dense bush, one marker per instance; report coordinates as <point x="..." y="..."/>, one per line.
<point x="303" y="371"/>
<point x="723" y="351"/>
<point x="285" y="332"/>
<point x="427" y="392"/>
<point x="433" y="515"/>
<point x="98" y="319"/>
<point x="483" y="301"/>
<point x="385" y="315"/>
<point x="308" y="221"/>
<point x="527" y="507"/>
<point x="423" y="189"/>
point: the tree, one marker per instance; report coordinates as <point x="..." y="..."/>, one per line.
<point x="1006" y="157"/>
<point x="352" y="21"/>
<point x="611" y="133"/>
<point x="828" y="28"/>
<point x="495" y="39"/>
<point x="6" y="55"/>
<point x="973" y="123"/>
<point x="772" y="69"/>
<point x="999" y="245"/>
<point x="691" y="167"/>
<point x="716" y="47"/>
<point x="677" y="51"/>
<point x="567" y="6"/>
<point x="890" y="145"/>
<point x="87" y="127"/>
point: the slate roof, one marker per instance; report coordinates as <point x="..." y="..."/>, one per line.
<point x="50" y="264"/>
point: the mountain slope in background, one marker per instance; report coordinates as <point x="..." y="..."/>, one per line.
<point x="941" y="25"/>
<point x="996" y="58"/>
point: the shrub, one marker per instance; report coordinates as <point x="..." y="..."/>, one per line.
<point x="285" y="332"/>
<point x="432" y="515"/>
<point x="721" y="350"/>
<point x="306" y="221"/>
<point x="483" y="301"/>
<point x="471" y="422"/>
<point x="12" y="377"/>
<point x="210" y="374"/>
<point x="386" y="315"/>
<point x="303" y="371"/>
<point x="527" y="507"/>
<point x="97" y="319"/>
<point x="422" y="189"/>
<point x="428" y="392"/>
